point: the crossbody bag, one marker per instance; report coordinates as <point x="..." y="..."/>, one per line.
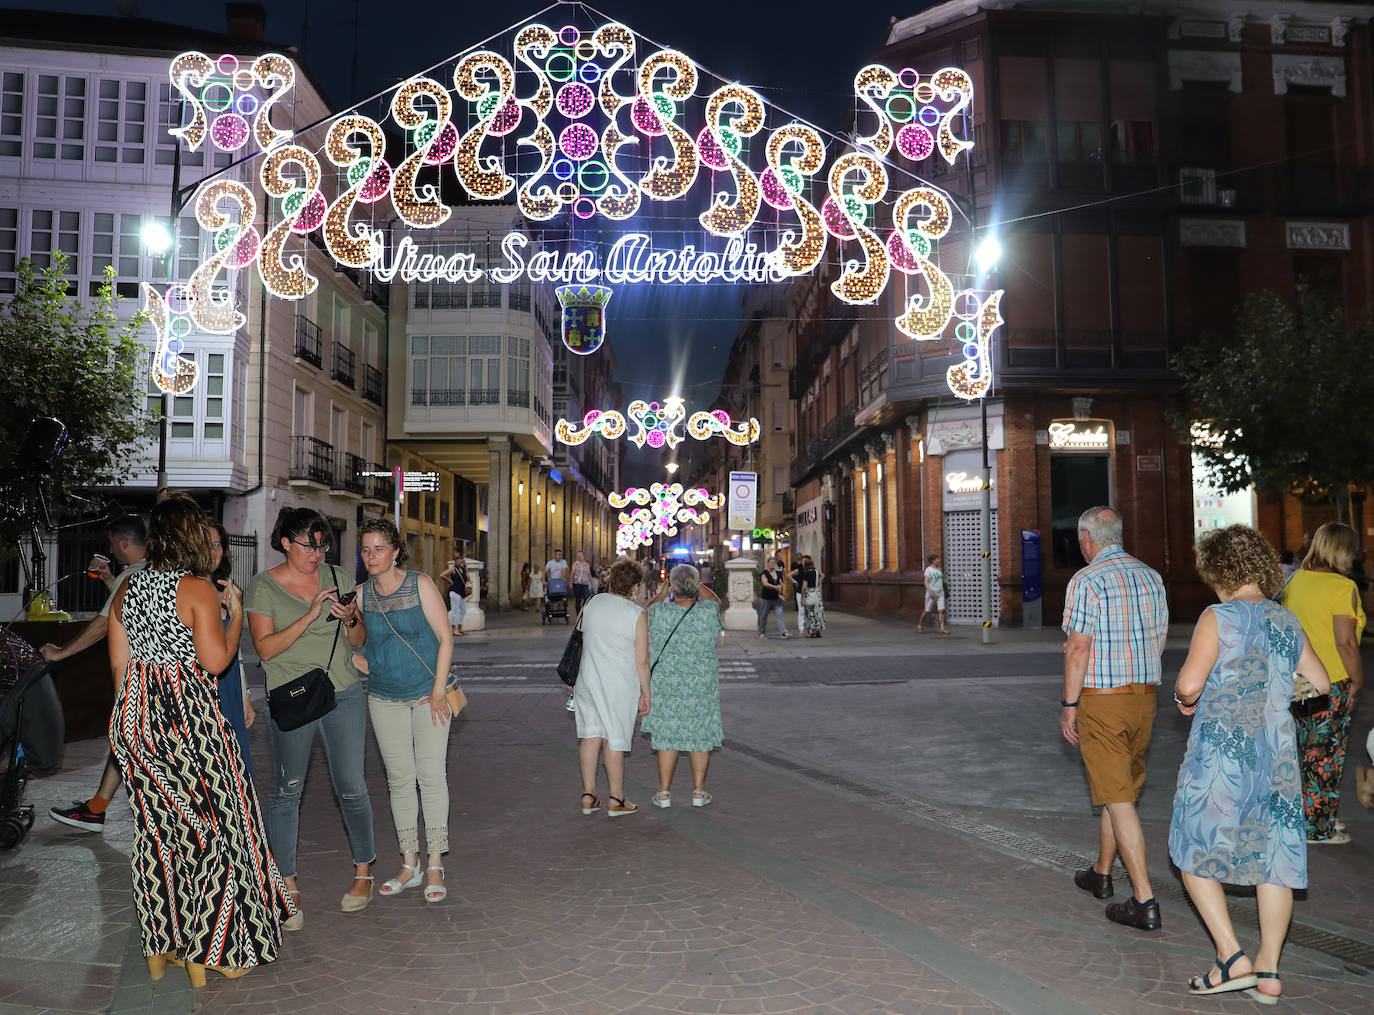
<point x="302" y="700"/>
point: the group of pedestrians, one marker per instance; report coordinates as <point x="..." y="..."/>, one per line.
<point x="214" y="884"/>
<point x="658" y="663"/>
<point x="805" y="579"/>
<point x="555" y="576"/>
<point x="1262" y="681"/>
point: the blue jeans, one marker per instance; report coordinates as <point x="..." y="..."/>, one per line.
<point x="230" y="688"/>
<point x="344" y="731"/>
<point x="767" y="606"/>
<point x="581" y="593"/>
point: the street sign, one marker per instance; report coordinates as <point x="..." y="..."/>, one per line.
<point x="420" y="482"/>
<point x="744" y="495"/>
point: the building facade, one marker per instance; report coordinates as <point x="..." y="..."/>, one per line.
<point x="1146" y="169"/>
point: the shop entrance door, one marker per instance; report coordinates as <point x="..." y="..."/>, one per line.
<point x="964" y="567"/>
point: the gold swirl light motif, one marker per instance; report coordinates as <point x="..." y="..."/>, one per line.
<point x="798" y="256"/>
<point x="731" y="216"/>
<point x="705" y="425"/>
<point x="351" y="244"/>
<point x="861" y="284"/>
<point x="419" y="206"/>
<point x="277" y="75"/>
<point x="670" y="178"/>
<point x="612" y="39"/>
<point x="288" y="278"/>
<point x="537" y="200"/>
<point x="926" y="316"/>
<point x="483" y="177"/>
<point x="952" y="83"/>
<point x="190" y="70"/>
<point x="872" y="84"/>
<point x="532" y="44"/>
<point x="214" y="312"/>
<point x="621" y="198"/>
<point x="611" y="425"/>
<point x="691" y="516"/>
<point x="632" y="495"/>
<point x="171" y="372"/>
<point x="972" y="379"/>
<point x="700" y="495"/>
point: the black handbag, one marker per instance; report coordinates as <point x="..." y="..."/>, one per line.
<point x="302" y="700"/>
<point x="572" y="656"/>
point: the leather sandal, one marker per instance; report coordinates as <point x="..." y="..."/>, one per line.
<point x="594" y="806"/>
<point x="1204" y="985"/>
<point x="395" y="886"/>
<point x="618" y="808"/>
<point x="435" y="893"/>
<point x="1257" y="995"/>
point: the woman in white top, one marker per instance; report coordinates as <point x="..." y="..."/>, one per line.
<point x="612" y="686"/>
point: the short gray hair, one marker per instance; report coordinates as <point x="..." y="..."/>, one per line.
<point x="1102" y="524"/>
<point x="684" y="580"/>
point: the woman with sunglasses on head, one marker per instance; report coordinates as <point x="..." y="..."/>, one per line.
<point x="409" y="652"/>
<point x="233" y="692"/>
<point x="296" y="618"/>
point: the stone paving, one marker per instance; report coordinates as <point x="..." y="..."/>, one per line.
<point x="823" y="878"/>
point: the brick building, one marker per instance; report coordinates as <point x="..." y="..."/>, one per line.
<point x="1149" y="165"/>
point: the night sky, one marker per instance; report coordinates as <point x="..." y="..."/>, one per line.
<point x="800" y="55"/>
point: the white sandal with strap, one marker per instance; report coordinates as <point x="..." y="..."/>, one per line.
<point x="395" y="886"/>
<point x="435" y="893"/>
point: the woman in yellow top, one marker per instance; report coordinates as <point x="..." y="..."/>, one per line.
<point x="1328" y="604"/>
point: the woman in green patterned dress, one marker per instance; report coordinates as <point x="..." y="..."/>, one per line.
<point x="685" y="680"/>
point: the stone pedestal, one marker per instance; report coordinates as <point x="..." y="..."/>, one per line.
<point x="475" y="619"/>
<point x="740" y="615"/>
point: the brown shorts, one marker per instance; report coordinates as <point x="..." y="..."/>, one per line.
<point x="1113" y="733"/>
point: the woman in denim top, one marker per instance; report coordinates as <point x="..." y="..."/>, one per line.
<point x="409" y="650"/>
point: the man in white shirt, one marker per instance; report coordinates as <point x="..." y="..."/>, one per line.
<point x="556" y="568"/>
<point x="935" y="594"/>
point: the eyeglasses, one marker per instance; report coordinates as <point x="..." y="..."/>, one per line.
<point x="311" y="547"/>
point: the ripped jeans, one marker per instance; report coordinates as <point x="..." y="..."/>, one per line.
<point x="344" y="731"/>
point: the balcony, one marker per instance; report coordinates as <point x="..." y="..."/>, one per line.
<point x="308" y="342"/>
<point x="1309" y="189"/>
<point x="312" y="461"/>
<point x="372" y="384"/>
<point x="438" y="396"/>
<point x="1209" y="188"/>
<point x="377" y="488"/>
<point x="519" y="399"/>
<point x="347" y="479"/>
<point x="836" y="433"/>
<point x="343" y="364"/>
<point x="873" y="379"/>
<point x="483" y="396"/>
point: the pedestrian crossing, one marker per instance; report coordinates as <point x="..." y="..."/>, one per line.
<point x="736" y="670"/>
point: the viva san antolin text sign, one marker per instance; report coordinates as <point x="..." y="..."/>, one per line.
<point x="583" y="128"/>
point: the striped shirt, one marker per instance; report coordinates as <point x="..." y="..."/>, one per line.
<point x="1120" y="604"/>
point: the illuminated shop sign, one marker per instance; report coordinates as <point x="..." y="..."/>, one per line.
<point x="1080" y="435"/>
<point x="965" y="482"/>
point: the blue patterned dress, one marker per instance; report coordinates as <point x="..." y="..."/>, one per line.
<point x="1238" y="809"/>
<point x="685" y="687"/>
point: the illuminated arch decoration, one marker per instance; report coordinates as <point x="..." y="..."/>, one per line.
<point x="659" y="425"/>
<point x="659" y="510"/>
<point x="582" y="126"/>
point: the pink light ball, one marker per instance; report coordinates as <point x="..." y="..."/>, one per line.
<point x="914" y="142"/>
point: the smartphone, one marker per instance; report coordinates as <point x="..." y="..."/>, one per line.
<point x="347" y="598"/>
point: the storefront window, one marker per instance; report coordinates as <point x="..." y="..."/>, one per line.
<point x="1077" y="482"/>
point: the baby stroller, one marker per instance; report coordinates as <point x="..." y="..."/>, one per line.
<point x="556" y="601"/>
<point x="32" y="731"/>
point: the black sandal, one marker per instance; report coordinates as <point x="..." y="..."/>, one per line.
<point x="620" y="808"/>
<point x="1204" y="985"/>
<point x="596" y="803"/>
<point x="1255" y="993"/>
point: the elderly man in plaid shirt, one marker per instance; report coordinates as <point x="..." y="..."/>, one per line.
<point x="1116" y="617"/>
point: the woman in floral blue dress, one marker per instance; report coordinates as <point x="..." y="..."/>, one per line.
<point x="1238" y="810"/>
<point x="685" y="680"/>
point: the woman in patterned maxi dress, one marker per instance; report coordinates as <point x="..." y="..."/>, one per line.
<point x="206" y="887"/>
<point x="1238" y="809"/>
<point x="685" y="684"/>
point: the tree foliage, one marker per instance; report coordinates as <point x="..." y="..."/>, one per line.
<point x="1286" y="400"/>
<point x="76" y="360"/>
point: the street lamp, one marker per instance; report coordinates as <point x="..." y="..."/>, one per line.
<point x="988" y="253"/>
<point x="671" y="467"/>
<point x="156" y="238"/>
<point x="985" y="257"/>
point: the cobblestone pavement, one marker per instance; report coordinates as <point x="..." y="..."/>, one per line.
<point x="873" y="847"/>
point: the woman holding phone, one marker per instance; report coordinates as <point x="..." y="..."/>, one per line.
<point x="298" y="612"/>
<point x="409" y="652"/>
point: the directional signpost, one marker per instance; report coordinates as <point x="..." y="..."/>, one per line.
<point x="407" y="482"/>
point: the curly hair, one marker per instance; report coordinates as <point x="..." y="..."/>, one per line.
<point x="226" y="563"/>
<point x="1238" y="555"/>
<point x="179" y="536"/>
<point x="388" y="531"/>
<point x="625" y="575"/>
<point x="1334" y="545"/>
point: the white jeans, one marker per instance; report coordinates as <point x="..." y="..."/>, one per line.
<point x="414" y="750"/>
<point x="801" y="613"/>
<point x="457" y="610"/>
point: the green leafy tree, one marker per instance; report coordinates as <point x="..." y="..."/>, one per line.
<point x="1287" y="401"/>
<point x="78" y="361"/>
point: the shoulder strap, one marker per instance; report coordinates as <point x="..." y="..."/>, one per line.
<point x="337" y="627"/>
<point x="673" y="632"/>
<point x="397" y="633"/>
